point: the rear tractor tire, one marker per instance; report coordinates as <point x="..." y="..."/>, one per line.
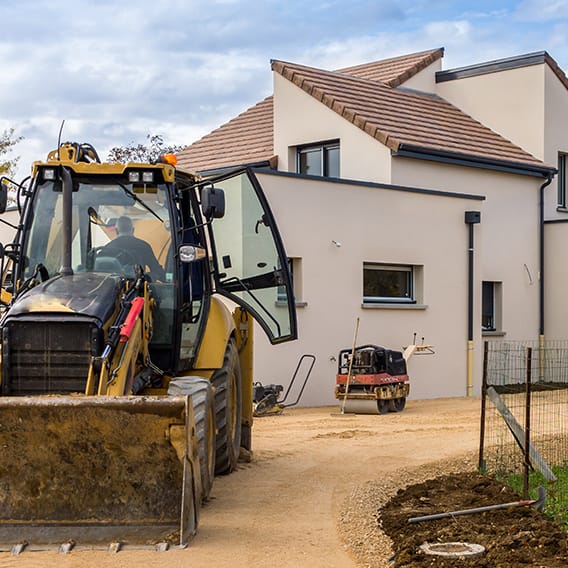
<point x="228" y="410"/>
<point x="204" y="413"/>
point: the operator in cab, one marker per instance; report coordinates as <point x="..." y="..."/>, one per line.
<point x="137" y="251"/>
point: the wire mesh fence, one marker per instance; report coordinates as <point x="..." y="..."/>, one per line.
<point x="524" y="422"/>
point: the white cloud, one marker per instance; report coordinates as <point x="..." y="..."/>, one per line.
<point x="542" y="10"/>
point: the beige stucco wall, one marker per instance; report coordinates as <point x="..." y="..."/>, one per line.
<point x="424" y="80"/>
<point x="556" y="282"/>
<point x="509" y="102"/>
<point x="372" y="225"/>
<point x="301" y="119"/>
<point x="526" y="105"/>
<point x="506" y="241"/>
<point x="382" y="225"/>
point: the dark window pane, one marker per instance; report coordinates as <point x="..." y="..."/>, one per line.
<point x="332" y="161"/>
<point x="562" y="180"/>
<point x="389" y="284"/>
<point x="310" y="161"/>
<point x="488" y="306"/>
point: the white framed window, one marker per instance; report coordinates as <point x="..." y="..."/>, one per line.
<point x="491" y="301"/>
<point x="389" y="283"/>
<point x="320" y="159"/>
<point x="561" y="179"/>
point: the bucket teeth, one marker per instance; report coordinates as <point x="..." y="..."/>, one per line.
<point x="19" y="548"/>
<point x="66" y="547"/>
<point x="162" y="547"/>
<point x="114" y="547"/>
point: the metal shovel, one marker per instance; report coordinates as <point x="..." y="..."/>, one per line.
<point x="538" y="504"/>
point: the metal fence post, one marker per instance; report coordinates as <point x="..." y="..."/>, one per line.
<point x="527" y="464"/>
<point x="481" y="464"/>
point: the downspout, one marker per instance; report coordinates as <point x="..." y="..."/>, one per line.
<point x="541" y="279"/>
<point x="471" y="218"/>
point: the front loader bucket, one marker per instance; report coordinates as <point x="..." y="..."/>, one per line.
<point x="81" y="470"/>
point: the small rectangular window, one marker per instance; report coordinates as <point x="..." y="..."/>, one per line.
<point x="488" y="307"/>
<point x="319" y="159"/>
<point x="561" y="180"/>
<point x="491" y="302"/>
<point x="388" y="283"/>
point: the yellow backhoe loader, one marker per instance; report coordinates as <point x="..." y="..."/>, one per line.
<point x="126" y="346"/>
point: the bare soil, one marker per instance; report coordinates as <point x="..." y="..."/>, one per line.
<point x="318" y="492"/>
<point x="514" y="536"/>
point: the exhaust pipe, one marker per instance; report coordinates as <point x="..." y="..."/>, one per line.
<point x="66" y="268"/>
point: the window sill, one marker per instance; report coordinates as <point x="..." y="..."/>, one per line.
<point x="493" y="333"/>
<point x="299" y="304"/>
<point x="393" y="306"/>
<point x="562" y="209"/>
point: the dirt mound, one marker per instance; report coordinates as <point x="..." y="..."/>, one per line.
<point x="516" y="536"/>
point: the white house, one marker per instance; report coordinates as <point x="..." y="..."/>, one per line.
<point x="416" y="200"/>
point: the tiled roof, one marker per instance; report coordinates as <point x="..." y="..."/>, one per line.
<point x="396" y="117"/>
<point x="394" y="72"/>
<point x="363" y="95"/>
<point x="246" y="139"/>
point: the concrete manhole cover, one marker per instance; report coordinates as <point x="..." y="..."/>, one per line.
<point x="453" y="549"/>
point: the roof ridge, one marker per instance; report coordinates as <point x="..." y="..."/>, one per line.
<point x="422" y="59"/>
<point x="396" y="57"/>
<point x="371" y="82"/>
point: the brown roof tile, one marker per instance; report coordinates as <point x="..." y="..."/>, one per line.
<point x="397" y="117"/>
<point x="395" y="71"/>
<point x="246" y="139"/>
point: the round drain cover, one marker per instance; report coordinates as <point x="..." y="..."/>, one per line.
<point x="453" y="549"/>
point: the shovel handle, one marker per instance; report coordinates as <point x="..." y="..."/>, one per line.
<point x="538" y="502"/>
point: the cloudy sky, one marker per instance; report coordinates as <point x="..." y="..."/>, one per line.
<point x="117" y="70"/>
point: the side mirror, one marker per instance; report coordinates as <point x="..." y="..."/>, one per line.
<point x="213" y="202"/>
<point x="4" y="184"/>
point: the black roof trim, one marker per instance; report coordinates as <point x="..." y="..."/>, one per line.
<point x="408" y="151"/>
<point x="436" y="192"/>
<point x="526" y="60"/>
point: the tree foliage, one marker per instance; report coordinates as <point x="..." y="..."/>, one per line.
<point x="7" y="142"/>
<point x="149" y="152"/>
